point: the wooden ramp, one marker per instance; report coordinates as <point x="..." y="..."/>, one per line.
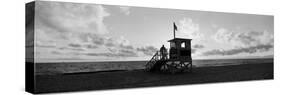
<point x="155" y="63"/>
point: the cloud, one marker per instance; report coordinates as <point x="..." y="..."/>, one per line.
<point x="241" y="42"/>
<point x="127" y="53"/>
<point x="125" y="10"/>
<point x="74" y="45"/>
<point x="98" y="40"/>
<point x="103" y="54"/>
<point x="122" y="46"/>
<point x="90" y="46"/>
<point x="250" y="50"/>
<point x="79" y="46"/>
<point x="107" y="41"/>
<point x="45" y="44"/>
<point x="56" y="52"/>
<point x="196" y="47"/>
<point x="80" y="29"/>
<point x="269" y="56"/>
<point x="117" y="46"/>
<point x="120" y="53"/>
<point x="148" y="50"/>
<point x="71" y="17"/>
<point x="69" y="27"/>
<point x="73" y="49"/>
<point x="243" y="38"/>
<point x="66" y="22"/>
<point x="188" y="29"/>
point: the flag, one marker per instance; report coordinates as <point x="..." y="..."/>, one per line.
<point x="175" y="27"/>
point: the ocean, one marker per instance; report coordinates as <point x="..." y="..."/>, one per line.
<point x="76" y="67"/>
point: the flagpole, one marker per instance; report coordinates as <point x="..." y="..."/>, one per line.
<point x="174" y="33"/>
<point x="174" y="30"/>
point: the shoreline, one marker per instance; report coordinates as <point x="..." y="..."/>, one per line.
<point x="141" y="69"/>
<point x="81" y="67"/>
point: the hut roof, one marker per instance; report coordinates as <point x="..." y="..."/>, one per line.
<point x="179" y="39"/>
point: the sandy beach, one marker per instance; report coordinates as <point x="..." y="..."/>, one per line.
<point x="139" y="78"/>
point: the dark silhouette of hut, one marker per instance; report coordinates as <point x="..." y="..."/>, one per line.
<point x="179" y="59"/>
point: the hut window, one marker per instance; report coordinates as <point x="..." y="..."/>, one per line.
<point x="183" y="45"/>
<point x="172" y="44"/>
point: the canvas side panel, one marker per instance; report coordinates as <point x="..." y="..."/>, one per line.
<point x="29" y="47"/>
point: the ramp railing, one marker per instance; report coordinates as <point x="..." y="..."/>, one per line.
<point x="149" y="65"/>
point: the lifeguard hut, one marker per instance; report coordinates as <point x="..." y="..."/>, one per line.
<point x="179" y="59"/>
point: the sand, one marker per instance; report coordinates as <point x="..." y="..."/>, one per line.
<point x="140" y="78"/>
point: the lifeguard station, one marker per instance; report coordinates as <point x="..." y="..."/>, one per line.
<point x="178" y="59"/>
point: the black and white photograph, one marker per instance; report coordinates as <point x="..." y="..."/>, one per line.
<point x="86" y="46"/>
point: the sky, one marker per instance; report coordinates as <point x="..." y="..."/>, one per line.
<point x="91" y="32"/>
